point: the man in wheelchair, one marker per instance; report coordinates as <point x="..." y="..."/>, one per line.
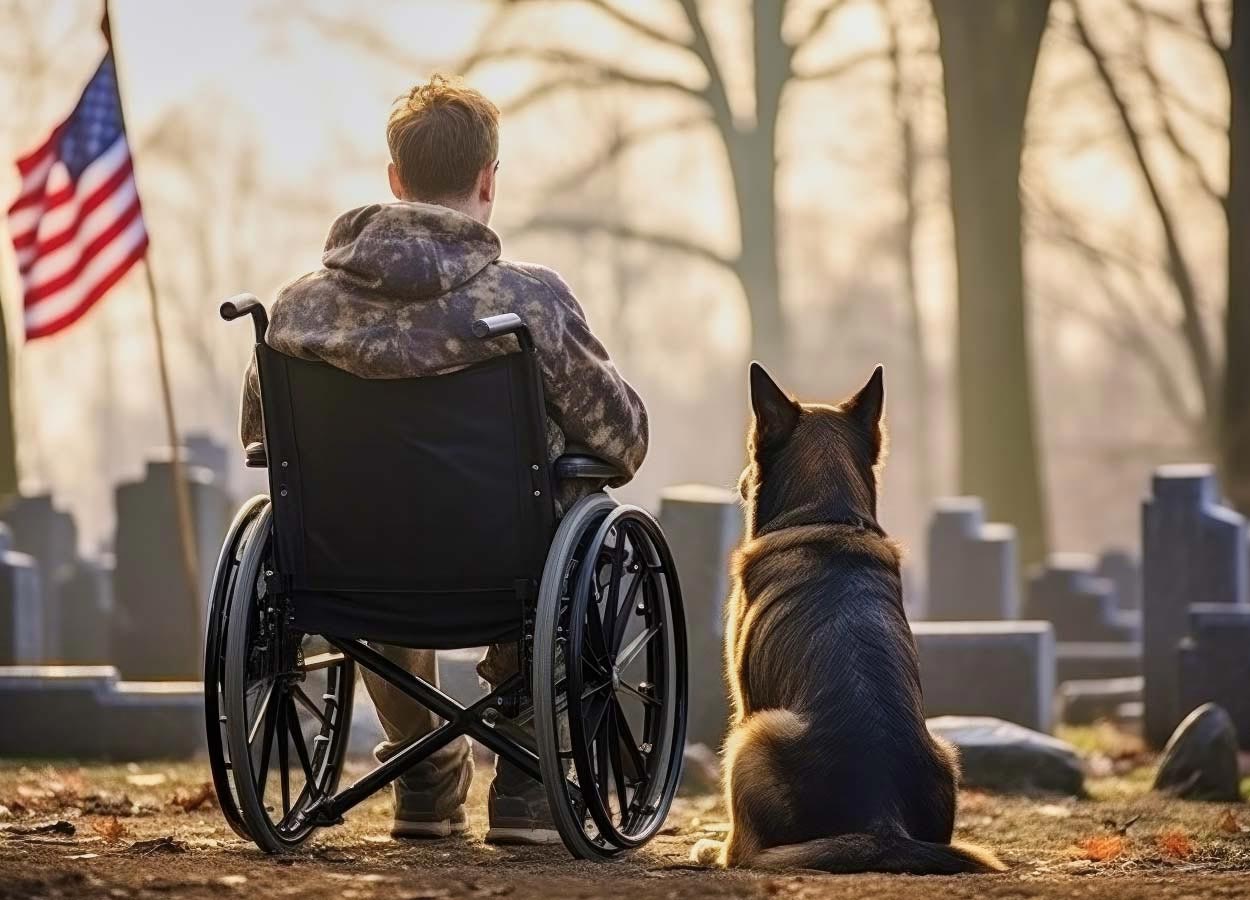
<point x="400" y="286"/>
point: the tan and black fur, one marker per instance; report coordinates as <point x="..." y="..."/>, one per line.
<point x="829" y="764"/>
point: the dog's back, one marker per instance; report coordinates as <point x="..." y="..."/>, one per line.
<point x="829" y="764"/>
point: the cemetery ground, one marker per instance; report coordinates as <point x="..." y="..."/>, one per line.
<point x="152" y="830"/>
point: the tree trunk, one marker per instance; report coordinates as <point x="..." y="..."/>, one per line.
<point x="8" y="435"/>
<point x="1234" y="428"/>
<point x="752" y="155"/>
<point x="989" y="52"/>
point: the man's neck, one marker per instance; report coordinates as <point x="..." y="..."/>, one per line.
<point x="464" y="207"/>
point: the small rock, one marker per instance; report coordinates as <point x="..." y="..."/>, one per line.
<point x="701" y="770"/>
<point x="1200" y="759"/>
<point x="1002" y="756"/>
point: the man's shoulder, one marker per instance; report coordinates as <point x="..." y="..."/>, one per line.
<point x="545" y="282"/>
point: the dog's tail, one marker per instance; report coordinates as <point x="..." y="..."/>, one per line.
<point x="883" y="852"/>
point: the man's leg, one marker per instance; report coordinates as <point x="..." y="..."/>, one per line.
<point x="518" y="808"/>
<point x="429" y="798"/>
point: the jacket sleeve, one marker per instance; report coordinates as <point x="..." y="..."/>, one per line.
<point x="250" y="428"/>
<point x="587" y="396"/>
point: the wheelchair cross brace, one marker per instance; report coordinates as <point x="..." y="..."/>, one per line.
<point x="482" y="720"/>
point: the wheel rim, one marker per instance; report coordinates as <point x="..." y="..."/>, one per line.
<point x="224" y="577"/>
<point x="288" y="705"/>
<point x="626" y="678"/>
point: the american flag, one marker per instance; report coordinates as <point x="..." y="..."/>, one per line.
<point x="76" y="224"/>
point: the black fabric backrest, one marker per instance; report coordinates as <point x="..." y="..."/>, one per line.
<point x="434" y="485"/>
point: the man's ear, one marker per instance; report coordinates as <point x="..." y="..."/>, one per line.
<point x="867" y="405"/>
<point x="397" y="186"/>
<point x="775" y="413"/>
<point x="486" y="183"/>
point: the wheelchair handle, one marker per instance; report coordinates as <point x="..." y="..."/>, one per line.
<point x="246" y="305"/>
<point x="505" y="323"/>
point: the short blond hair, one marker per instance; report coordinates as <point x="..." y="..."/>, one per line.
<point x="441" y="135"/>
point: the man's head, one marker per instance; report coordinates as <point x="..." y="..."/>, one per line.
<point x="444" y="140"/>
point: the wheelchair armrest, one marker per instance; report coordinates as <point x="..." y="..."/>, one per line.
<point x="256" y="458"/>
<point x="578" y="465"/>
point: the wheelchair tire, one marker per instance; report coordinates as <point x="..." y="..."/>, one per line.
<point x="610" y="628"/>
<point x="214" y="654"/>
<point x="267" y="672"/>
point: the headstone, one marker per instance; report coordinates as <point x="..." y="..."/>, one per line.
<point x="1001" y="669"/>
<point x="22" y="630"/>
<point x="1004" y="757"/>
<point x="1215" y="662"/>
<point x="1125" y="573"/>
<point x="1092" y="700"/>
<point x="1068" y="593"/>
<point x="86" y="603"/>
<point x="972" y="565"/>
<point x="205" y="452"/>
<point x="87" y="712"/>
<point x="49" y="536"/>
<point x="1200" y="759"/>
<point x="1080" y="660"/>
<point x="1193" y="551"/>
<point x="157" y="623"/>
<point x="702" y="526"/>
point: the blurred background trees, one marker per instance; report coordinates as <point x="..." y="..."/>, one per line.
<point x="1034" y="213"/>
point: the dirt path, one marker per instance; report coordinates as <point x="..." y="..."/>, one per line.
<point x="121" y="815"/>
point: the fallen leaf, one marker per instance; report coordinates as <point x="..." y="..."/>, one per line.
<point x="1101" y="848"/>
<point x="82" y="856"/>
<point x="1054" y="811"/>
<point x="1174" y="843"/>
<point x="191" y="799"/>
<point x="159" y="845"/>
<point x="110" y="829"/>
<point x="232" y="880"/>
<point x="1231" y="824"/>
<point x="58" y="827"/>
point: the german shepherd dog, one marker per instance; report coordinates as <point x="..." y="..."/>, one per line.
<point x="829" y="764"/>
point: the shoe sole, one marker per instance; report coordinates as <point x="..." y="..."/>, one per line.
<point x="428" y="830"/>
<point x="534" y="837"/>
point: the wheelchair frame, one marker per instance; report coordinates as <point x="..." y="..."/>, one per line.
<point x="574" y="662"/>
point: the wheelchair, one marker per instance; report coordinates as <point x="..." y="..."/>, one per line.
<point x="419" y="512"/>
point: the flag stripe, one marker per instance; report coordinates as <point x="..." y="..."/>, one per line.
<point x="98" y="267"/>
<point x="45" y="328"/>
<point x="46" y="285"/>
<point x="112" y="198"/>
<point x="61" y="189"/>
<point x="28" y="162"/>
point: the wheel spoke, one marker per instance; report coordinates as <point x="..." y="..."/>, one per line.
<point x="626" y="609"/>
<point x="601" y="761"/>
<point x="595" y="631"/>
<point x="635" y="646"/>
<point x="614" y="589"/>
<point x="262" y="713"/>
<point x="597" y="715"/>
<point x="628" y="741"/>
<point x="284" y="772"/>
<point x="266" y="749"/>
<point x="618" y="768"/>
<point x="301" y="749"/>
<point x="591" y="691"/>
<point x="630" y="689"/>
<point x="310" y="706"/>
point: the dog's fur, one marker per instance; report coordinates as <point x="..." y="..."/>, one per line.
<point x="829" y="764"/>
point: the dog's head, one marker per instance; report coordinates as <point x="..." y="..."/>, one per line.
<point x="811" y="463"/>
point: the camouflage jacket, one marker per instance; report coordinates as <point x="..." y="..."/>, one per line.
<point x="400" y="286"/>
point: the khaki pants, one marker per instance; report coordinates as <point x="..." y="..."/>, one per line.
<point x="445" y="776"/>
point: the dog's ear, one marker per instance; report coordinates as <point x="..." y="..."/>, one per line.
<point x="775" y="413"/>
<point x="866" y="406"/>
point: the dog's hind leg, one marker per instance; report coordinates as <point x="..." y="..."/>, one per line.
<point x="756" y="788"/>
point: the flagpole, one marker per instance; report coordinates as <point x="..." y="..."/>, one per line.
<point x="182" y="495"/>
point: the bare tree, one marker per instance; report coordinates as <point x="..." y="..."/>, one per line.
<point x="1161" y="128"/>
<point x="747" y="130"/>
<point x="989" y="54"/>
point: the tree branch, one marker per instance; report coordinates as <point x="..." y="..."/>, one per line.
<point x="602" y="70"/>
<point x="818" y="23"/>
<point x="845" y="65"/>
<point x="714" y="93"/>
<point x="1178" y="266"/>
<point x="621" y="143"/>
<point x="580" y="224"/>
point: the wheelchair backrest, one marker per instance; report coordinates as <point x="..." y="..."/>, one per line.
<point x="437" y="485"/>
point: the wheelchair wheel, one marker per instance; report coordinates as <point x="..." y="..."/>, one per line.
<point x="214" y="653"/>
<point x="287" y="703"/>
<point x="610" y="673"/>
